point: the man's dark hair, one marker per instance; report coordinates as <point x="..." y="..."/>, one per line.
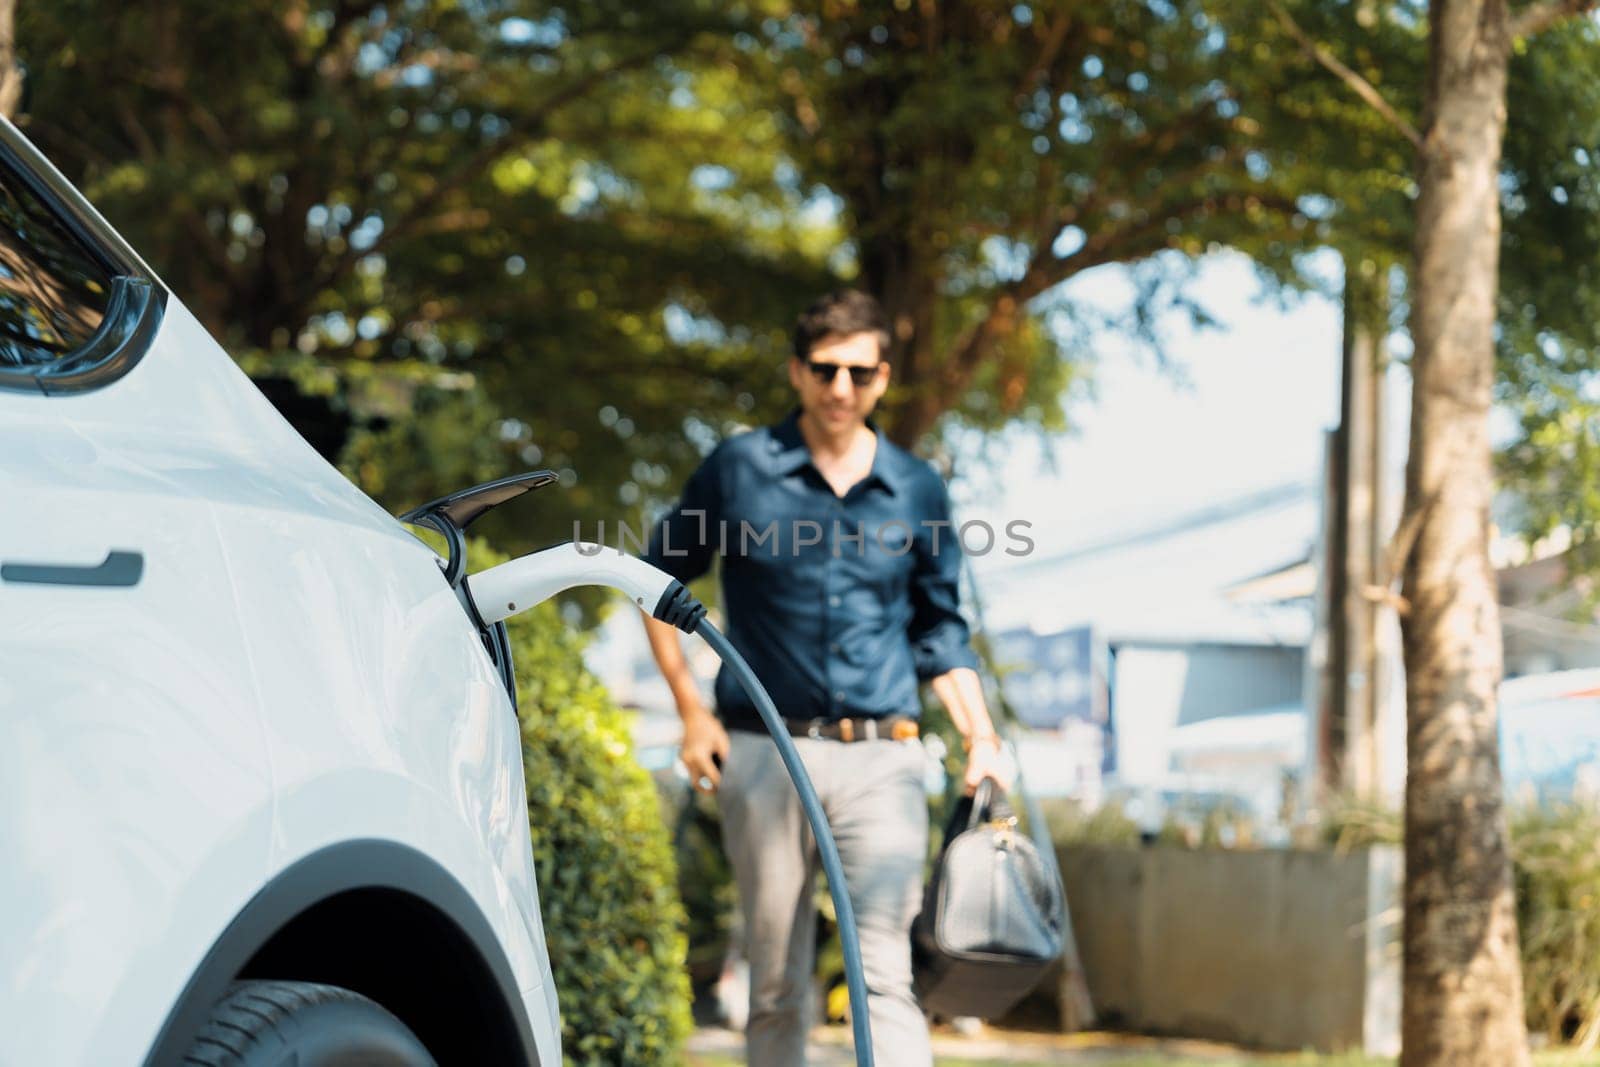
<point x="839" y="314"/>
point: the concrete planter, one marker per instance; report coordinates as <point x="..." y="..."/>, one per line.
<point x="1271" y="949"/>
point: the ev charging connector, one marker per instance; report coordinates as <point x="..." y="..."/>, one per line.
<point x="492" y="596"/>
<point x="517" y="585"/>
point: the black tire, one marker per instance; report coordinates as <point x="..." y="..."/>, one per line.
<point x="270" y="1024"/>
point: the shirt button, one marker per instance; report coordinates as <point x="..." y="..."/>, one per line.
<point x="835" y="647"/>
<point x="838" y="694"/>
<point x="834" y="601"/>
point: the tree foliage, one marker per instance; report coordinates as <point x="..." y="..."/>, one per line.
<point x="495" y="234"/>
<point x="983" y="153"/>
<point x="571" y="234"/>
<point x="1550" y="288"/>
<point x="1358" y="173"/>
<point x="499" y="213"/>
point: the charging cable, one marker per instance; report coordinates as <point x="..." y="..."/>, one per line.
<point x="854" y="976"/>
<point x="515" y="586"/>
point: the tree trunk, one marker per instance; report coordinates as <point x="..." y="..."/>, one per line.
<point x="1462" y="974"/>
<point x="932" y="382"/>
<point x="897" y="273"/>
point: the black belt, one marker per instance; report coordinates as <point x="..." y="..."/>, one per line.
<point x="887" y="728"/>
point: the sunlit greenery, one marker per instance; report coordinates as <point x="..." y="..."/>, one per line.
<point x="488" y="235"/>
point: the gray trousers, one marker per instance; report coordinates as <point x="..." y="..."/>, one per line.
<point x="873" y="795"/>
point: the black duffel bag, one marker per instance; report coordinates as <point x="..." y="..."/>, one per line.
<point x="993" y="915"/>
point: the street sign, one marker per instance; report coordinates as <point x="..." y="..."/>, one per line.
<point x="1057" y="683"/>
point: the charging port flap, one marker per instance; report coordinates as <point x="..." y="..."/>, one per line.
<point x="450" y="516"/>
<point x="464" y="506"/>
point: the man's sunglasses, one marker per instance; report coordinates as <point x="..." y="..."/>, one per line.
<point x="825" y="373"/>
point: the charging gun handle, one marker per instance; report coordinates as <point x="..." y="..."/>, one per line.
<point x="517" y="585"/>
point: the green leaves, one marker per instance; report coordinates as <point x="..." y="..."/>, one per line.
<point x="511" y="217"/>
<point x="1557" y="874"/>
<point x="1549" y="344"/>
<point x="469" y="227"/>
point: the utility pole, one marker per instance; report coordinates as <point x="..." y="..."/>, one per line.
<point x="1354" y="685"/>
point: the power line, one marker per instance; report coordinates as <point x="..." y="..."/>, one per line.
<point x="1260" y="500"/>
<point x="1534" y="622"/>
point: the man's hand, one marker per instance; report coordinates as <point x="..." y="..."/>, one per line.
<point x="705" y="742"/>
<point x="961" y="692"/>
<point x="705" y="746"/>
<point x="985" y="760"/>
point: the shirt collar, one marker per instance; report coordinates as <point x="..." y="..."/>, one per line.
<point x="790" y="454"/>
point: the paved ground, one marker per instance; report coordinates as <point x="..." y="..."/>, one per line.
<point x="991" y="1047"/>
<point x="831" y="1048"/>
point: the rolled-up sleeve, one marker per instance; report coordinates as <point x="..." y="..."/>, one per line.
<point x="940" y="640"/>
<point x="682" y="542"/>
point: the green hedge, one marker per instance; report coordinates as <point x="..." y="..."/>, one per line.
<point x="1556" y="866"/>
<point x="607" y="882"/>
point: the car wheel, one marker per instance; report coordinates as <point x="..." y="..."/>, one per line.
<point x="267" y="1024"/>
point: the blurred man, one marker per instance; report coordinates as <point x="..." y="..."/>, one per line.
<point x="839" y="577"/>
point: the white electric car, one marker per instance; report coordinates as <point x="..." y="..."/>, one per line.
<point x="261" y="795"/>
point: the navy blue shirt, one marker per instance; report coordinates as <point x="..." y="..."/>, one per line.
<point x="840" y="604"/>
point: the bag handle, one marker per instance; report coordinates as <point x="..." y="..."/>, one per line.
<point x="971" y="811"/>
<point x="989" y="804"/>
<point x="982" y="799"/>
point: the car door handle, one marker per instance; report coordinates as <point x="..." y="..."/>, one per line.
<point x="121" y="568"/>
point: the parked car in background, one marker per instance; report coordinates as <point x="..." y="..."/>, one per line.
<point x="1550" y="736"/>
<point x="260" y="783"/>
